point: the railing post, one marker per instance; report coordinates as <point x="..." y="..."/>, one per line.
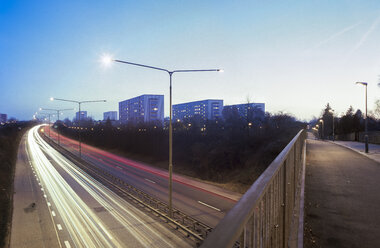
<point x="284" y="206"/>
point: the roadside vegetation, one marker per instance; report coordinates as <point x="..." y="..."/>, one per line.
<point x="352" y="121"/>
<point x="10" y="135"/>
<point x="232" y="151"/>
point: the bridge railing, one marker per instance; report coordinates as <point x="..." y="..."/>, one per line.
<point x="264" y="216"/>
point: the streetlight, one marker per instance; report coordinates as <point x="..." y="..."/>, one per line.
<point x="107" y="60"/>
<point x="323" y="128"/>
<point x="49" y="114"/>
<point x="332" y="112"/>
<point x="79" y="103"/>
<point x="58" y="113"/>
<point x="366" y="119"/>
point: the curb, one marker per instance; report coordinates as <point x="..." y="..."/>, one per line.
<point x="353" y="149"/>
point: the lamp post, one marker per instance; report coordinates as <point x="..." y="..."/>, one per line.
<point x="366" y="117"/>
<point x="323" y="128"/>
<point x="58" y="113"/>
<point x="108" y="60"/>
<point x="317" y="126"/>
<point x="49" y="115"/>
<point x="79" y="104"/>
<point x="332" y="112"/>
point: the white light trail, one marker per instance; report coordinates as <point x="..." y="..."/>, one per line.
<point x="85" y="228"/>
<point x="79" y="219"/>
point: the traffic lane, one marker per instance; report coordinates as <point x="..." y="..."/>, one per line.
<point x="152" y="181"/>
<point x="206" y="206"/>
<point x="224" y="204"/>
<point x="123" y="221"/>
<point x="32" y="223"/>
<point x="199" y="208"/>
<point x="86" y="149"/>
<point x="83" y="225"/>
<point x="143" y="230"/>
<point x="342" y="197"/>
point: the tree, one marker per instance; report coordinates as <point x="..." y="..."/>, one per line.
<point x="377" y="109"/>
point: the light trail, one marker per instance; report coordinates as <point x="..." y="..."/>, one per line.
<point x="85" y="228"/>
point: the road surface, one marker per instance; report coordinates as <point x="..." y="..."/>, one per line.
<point x="204" y="202"/>
<point x="58" y="205"/>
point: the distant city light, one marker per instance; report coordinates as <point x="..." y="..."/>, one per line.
<point x="51" y="98"/>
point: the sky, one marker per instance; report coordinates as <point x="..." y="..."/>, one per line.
<point x="295" y="56"/>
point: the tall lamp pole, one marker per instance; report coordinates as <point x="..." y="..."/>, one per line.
<point x="108" y="60"/>
<point x="319" y="131"/>
<point x="332" y="112"/>
<point x="366" y="117"/>
<point x="58" y="113"/>
<point x="323" y="128"/>
<point x="79" y="104"/>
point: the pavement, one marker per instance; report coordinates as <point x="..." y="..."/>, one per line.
<point x="373" y="149"/>
<point x="341" y="196"/>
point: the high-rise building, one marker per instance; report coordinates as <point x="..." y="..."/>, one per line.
<point x="205" y="109"/>
<point x="144" y="108"/>
<point x="112" y="115"/>
<point x="245" y="108"/>
<point x="83" y="115"/>
<point x="3" y="118"/>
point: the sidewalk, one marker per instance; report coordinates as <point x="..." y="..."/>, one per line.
<point x="341" y="196"/>
<point x="373" y="150"/>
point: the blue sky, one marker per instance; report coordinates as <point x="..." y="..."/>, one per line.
<point x="293" y="55"/>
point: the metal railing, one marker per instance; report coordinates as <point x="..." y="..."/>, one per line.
<point x="264" y="216"/>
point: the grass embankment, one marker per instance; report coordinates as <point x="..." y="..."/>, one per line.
<point x="10" y="136"/>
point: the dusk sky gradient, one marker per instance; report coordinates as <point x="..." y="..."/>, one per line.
<point x="295" y="56"/>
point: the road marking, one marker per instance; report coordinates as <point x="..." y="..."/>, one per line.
<point x="59" y="226"/>
<point x="217" y="209"/>
<point x="42" y="189"/>
<point x="45" y="196"/>
<point x="49" y="204"/>
<point x="150" y="180"/>
<point x="53" y="213"/>
<point x="67" y="244"/>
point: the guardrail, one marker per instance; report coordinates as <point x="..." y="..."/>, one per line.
<point x="266" y="215"/>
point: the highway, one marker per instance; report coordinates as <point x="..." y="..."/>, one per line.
<point x="204" y="202"/>
<point x="71" y="209"/>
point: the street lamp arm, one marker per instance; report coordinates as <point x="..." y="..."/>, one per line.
<point x="92" y="101"/>
<point x="196" y="70"/>
<point x="64" y="100"/>
<point x="46" y="109"/>
<point x="65" y="109"/>
<point x="146" y="66"/>
<point x="56" y="109"/>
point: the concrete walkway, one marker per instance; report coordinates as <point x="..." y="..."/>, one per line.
<point x="342" y="197"/>
<point x="373" y="150"/>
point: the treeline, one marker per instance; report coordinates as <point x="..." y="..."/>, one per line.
<point x="230" y="149"/>
<point x="10" y="135"/>
<point x="350" y="122"/>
